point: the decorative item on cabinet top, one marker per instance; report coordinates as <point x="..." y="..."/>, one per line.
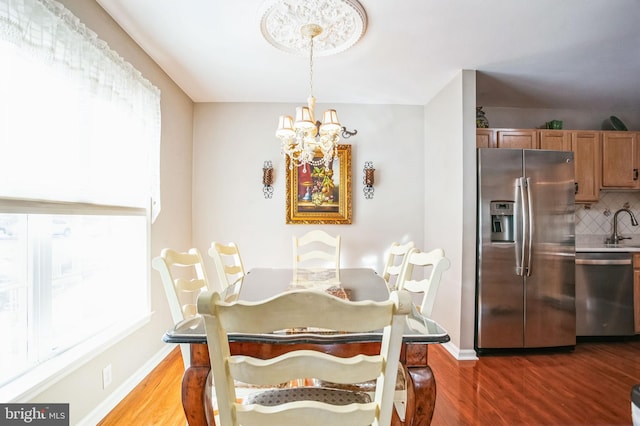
<point x="617" y="124"/>
<point x="554" y="124"/>
<point x="482" y="122"/>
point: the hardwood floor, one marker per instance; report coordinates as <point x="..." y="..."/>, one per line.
<point x="157" y="400"/>
<point x="588" y="386"/>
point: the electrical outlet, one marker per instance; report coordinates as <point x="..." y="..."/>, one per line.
<point x="106" y="376"/>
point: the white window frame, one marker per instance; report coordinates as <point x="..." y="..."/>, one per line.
<point x="47" y="373"/>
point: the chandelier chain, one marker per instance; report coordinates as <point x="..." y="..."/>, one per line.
<point x="311" y="65"/>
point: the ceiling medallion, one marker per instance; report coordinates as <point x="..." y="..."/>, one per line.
<point x="343" y="22"/>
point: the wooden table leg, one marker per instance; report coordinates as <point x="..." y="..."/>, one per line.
<point x="421" y="387"/>
<point x="196" y="401"/>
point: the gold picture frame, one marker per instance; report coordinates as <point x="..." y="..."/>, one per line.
<point x="319" y="195"/>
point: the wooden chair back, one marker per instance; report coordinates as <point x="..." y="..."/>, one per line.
<point x="228" y="262"/>
<point x="295" y="310"/>
<point x="316" y="250"/>
<point x="437" y="262"/>
<point x="395" y="258"/>
<point x="183" y="278"/>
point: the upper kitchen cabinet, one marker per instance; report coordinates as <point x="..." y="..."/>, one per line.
<point x="555" y="140"/>
<point x="512" y="138"/>
<point x="485" y="138"/>
<point x="620" y="160"/>
<point x="586" y="155"/>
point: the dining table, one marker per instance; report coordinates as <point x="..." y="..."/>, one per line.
<point x="355" y="284"/>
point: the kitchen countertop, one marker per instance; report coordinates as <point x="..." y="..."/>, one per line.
<point x="595" y="243"/>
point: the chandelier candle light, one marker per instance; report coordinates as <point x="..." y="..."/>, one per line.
<point x="305" y="138"/>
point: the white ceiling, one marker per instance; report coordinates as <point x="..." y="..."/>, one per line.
<point x="582" y="54"/>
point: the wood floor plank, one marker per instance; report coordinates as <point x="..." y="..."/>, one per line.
<point x="588" y="386"/>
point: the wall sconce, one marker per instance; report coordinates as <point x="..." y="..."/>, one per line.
<point x="267" y="179"/>
<point x="368" y="179"/>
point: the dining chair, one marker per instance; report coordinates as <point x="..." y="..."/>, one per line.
<point x="183" y="278"/>
<point x="228" y="263"/>
<point x="435" y="263"/>
<point x="392" y="267"/>
<point x="316" y="251"/>
<point x="308" y="405"/>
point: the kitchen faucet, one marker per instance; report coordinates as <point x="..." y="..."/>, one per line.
<point x="615" y="238"/>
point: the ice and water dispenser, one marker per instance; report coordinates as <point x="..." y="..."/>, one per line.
<point x="501" y="221"/>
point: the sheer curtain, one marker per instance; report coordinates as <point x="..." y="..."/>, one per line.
<point x="77" y="122"/>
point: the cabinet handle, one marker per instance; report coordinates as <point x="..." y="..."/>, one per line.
<point x="635" y="174"/>
<point x="576" y="184"/>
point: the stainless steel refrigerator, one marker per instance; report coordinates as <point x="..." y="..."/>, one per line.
<point x="525" y="283"/>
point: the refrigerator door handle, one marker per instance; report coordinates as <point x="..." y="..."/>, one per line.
<point x="520" y="233"/>
<point x="531" y="226"/>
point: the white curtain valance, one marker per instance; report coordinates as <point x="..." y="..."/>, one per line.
<point x="79" y="123"/>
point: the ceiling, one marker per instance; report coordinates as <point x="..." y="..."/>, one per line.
<point x="579" y="54"/>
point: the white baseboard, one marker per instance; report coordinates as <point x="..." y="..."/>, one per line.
<point x="460" y="355"/>
<point x="95" y="416"/>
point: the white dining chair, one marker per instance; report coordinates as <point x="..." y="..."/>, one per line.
<point x="228" y="262"/>
<point x="183" y="278"/>
<point x="316" y="251"/>
<point x="307" y="406"/>
<point x="435" y="263"/>
<point x="393" y="265"/>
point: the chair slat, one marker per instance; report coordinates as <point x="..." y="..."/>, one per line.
<point x="305" y="363"/>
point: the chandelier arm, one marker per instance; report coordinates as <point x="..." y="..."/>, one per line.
<point x="347" y="134"/>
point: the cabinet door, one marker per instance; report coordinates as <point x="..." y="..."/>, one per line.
<point x="523" y="139"/>
<point x="619" y="162"/>
<point x="636" y="292"/>
<point x="555" y="140"/>
<point x="586" y="154"/>
<point x="485" y="138"/>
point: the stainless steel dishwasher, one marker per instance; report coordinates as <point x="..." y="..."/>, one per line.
<point x="604" y="294"/>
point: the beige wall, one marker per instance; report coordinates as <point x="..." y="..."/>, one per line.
<point x="231" y="142"/>
<point x="450" y="204"/>
<point x="82" y="388"/>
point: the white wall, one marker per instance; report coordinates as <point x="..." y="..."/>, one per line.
<point x="231" y="142"/>
<point x="450" y="205"/>
<point x="82" y="387"/>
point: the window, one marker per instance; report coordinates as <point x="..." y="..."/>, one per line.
<point x="64" y="279"/>
<point x="79" y="162"/>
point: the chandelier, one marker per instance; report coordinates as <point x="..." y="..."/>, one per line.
<point x="305" y="140"/>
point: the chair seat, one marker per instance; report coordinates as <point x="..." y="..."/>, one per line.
<point x="275" y="397"/>
<point x="368" y="386"/>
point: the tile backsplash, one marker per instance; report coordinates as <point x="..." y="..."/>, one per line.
<point x="597" y="218"/>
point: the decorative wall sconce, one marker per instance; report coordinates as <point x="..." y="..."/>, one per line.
<point x="368" y="179"/>
<point x="267" y="179"/>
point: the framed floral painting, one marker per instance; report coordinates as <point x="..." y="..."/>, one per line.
<point x="319" y="194"/>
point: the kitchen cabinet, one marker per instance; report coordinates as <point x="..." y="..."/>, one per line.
<point x="514" y="138"/>
<point x="485" y="138"/>
<point x="586" y="154"/>
<point x="555" y="140"/>
<point x="620" y="160"/>
<point x="636" y="292"/>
